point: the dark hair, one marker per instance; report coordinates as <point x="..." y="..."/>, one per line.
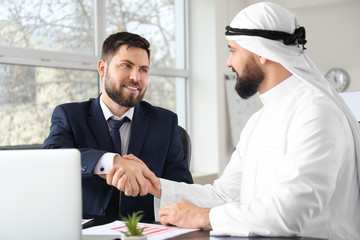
<point x="113" y="42"/>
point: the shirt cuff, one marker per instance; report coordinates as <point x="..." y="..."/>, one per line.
<point x="167" y="196"/>
<point x="104" y="163"/>
<point x="156" y="207"/>
<point x="217" y="224"/>
<point x="221" y="227"/>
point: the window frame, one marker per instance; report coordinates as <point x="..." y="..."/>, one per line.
<point x="64" y="60"/>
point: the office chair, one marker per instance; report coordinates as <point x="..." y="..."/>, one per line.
<point x="186" y="142"/>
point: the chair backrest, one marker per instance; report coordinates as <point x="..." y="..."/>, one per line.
<point x="186" y="142"/>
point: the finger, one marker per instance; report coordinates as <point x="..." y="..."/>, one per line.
<point x="165" y="210"/>
<point x="153" y="191"/>
<point x="139" y="183"/>
<point x="144" y="191"/>
<point x="122" y="183"/>
<point x="128" y="189"/>
<point x="166" y="219"/>
<point x="155" y="181"/>
<point x="136" y="193"/>
<point x="134" y="189"/>
<point x="109" y="175"/>
<point x="143" y="184"/>
<point x="144" y="188"/>
<point x="163" y="216"/>
<point x="118" y="174"/>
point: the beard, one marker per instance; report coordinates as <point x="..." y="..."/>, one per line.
<point x="248" y="84"/>
<point x="118" y="97"/>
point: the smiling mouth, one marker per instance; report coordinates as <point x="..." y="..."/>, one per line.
<point x="132" y="88"/>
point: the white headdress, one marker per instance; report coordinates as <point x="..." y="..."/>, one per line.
<point x="273" y="32"/>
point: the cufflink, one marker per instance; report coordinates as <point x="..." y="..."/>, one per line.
<point x="102" y="169"/>
<point x="83" y="168"/>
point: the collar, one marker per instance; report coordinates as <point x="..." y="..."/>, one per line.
<point x="280" y="91"/>
<point x="108" y="114"/>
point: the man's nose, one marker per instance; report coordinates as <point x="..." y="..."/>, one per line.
<point x="228" y="62"/>
<point x="134" y="75"/>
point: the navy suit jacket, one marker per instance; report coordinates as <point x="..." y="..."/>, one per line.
<point x="154" y="138"/>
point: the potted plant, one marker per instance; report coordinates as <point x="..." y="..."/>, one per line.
<point x="131" y="223"/>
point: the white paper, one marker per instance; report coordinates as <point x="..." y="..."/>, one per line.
<point x="153" y="231"/>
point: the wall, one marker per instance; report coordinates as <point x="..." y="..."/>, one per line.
<point x="333" y="32"/>
<point x="332" y="29"/>
<point x="203" y="86"/>
<point x="210" y="134"/>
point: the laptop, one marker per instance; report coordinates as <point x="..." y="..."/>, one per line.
<point x="40" y="194"/>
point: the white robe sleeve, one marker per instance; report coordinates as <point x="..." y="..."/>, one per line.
<point x="206" y="196"/>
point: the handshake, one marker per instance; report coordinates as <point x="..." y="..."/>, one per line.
<point x="131" y="175"/>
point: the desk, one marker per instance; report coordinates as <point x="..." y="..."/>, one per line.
<point x="197" y="235"/>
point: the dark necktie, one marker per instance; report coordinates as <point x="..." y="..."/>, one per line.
<point x="115" y="134"/>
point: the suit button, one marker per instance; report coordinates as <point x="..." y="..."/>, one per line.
<point x="83" y="168"/>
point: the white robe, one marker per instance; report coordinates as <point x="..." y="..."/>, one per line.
<point x="293" y="172"/>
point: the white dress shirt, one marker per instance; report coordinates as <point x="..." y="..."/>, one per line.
<point x="293" y="172"/>
<point x="107" y="160"/>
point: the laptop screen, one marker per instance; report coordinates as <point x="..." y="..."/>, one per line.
<point x="40" y="194"/>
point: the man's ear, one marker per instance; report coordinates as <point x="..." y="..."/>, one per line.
<point x="101" y="68"/>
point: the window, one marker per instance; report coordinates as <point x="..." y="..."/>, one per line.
<point x="157" y="21"/>
<point x="29" y="95"/>
<point x="49" y="51"/>
<point x="162" y="23"/>
<point x="54" y="25"/>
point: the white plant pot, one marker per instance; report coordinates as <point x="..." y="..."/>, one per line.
<point x="142" y="237"/>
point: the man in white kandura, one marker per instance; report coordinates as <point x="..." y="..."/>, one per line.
<point x="295" y="171"/>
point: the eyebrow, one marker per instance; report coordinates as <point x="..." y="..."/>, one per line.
<point x="133" y="64"/>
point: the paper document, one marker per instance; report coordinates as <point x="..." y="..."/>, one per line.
<point x="153" y="231"/>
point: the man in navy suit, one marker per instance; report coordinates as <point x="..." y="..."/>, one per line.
<point x="150" y="133"/>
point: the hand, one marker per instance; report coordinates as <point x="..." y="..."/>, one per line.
<point x="156" y="191"/>
<point x="130" y="175"/>
<point x="124" y="184"/>
<point x="185" y="214"/>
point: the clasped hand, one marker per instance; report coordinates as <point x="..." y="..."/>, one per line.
<point x="131" y="175"/>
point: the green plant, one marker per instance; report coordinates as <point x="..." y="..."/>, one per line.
<point x="131" y="224"/>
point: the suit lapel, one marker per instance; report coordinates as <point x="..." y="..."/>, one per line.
<point x="139" y="128"/>
<point x="99" y="126"/>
